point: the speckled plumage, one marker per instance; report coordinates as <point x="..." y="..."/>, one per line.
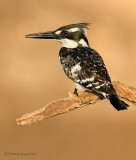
<point x="82" y="64"/>
<point x="92" y="73"/>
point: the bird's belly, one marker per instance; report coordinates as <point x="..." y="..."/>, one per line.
<point x="78" y="86"/>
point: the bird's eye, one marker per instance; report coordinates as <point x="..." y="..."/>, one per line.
<point x="64" y="33"/>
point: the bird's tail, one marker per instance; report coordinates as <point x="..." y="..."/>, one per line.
<point x="117" y="103"/>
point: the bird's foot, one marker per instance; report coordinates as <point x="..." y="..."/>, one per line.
<point x="75" y="92"/>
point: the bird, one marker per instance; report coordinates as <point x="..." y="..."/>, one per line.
<point x="81" y="63"/>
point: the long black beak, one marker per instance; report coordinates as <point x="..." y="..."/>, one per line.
<point x="43" y="35"/>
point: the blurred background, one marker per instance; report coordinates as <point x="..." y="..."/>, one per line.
<point x="31" y="77"/>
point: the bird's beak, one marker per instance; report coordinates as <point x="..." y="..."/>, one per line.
<point x="43" y="35"/>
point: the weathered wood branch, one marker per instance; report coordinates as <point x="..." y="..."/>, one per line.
<point x="72" y="102"/>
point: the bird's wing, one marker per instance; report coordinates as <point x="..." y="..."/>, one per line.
<point x="99" y="66"/>
<point x="102" y="82"/>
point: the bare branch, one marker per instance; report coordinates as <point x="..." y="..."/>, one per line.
<point x="72" y="102"/>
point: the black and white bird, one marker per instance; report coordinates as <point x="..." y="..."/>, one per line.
<point x="82" y="64"/>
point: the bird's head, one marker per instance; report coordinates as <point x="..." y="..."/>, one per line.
<point x="71" y="36"/>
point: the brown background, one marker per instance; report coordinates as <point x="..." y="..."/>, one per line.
<point x="31" y="77"/>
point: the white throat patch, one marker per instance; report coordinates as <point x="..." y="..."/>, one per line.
<point x="68" y="43"/>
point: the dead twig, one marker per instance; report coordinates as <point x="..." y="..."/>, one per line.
<point x="72" y="102"/>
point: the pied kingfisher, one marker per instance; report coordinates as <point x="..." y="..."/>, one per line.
<point x="82" y="64"/>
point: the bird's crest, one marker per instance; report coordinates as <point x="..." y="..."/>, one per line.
<point x="75" y="27"/>
<point x="79" y="25"/>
